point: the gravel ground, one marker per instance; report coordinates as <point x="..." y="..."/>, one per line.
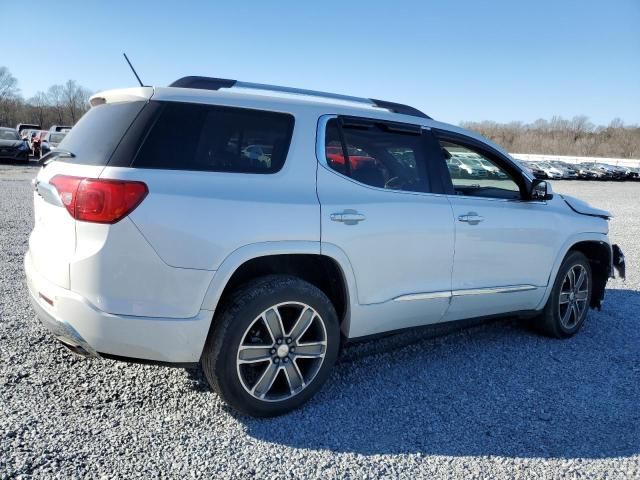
<point x="491" y="401"/>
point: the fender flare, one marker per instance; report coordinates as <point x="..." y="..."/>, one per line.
<point x="566" y="246"/>
<point x="255" y="250"/>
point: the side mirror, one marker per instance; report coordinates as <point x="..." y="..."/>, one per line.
<point x="540" y="190"/>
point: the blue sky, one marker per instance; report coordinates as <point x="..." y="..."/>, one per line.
<point x="456" y="60"/>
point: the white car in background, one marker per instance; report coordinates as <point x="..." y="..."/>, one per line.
<point x="550" y="170"/>
<point x="159" y="238"/>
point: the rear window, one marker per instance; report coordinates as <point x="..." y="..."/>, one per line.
<point x="216" y="139"/>
<point x="98" y="132"/>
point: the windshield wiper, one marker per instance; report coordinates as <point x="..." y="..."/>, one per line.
<point x="53" y="154"/>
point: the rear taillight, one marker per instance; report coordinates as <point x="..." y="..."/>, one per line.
<point x="99" y="200"/>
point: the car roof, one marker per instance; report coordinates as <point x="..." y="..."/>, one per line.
<point x="293" y="101"/>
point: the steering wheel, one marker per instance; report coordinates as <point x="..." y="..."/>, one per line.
<point x="389" y="183"/>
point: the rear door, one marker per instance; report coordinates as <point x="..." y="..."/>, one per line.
<point x="83" y="153"/>
<point x="378" y="207"/>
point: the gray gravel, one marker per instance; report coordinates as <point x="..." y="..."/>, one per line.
<point x="492" y="401"/>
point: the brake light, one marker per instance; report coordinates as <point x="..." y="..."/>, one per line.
<point x="99" y="200"/>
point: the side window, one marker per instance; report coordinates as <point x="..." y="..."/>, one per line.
<point x="476" y="174"/>
<point x="378" y="156"/>
<point x="216" y="139"/>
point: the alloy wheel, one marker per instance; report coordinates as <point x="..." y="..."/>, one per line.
<point x="574" y="293"/>
<point x="281" y="351"/>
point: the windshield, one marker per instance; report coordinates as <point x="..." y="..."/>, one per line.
<point x="56" y="137"/>
<point x="9" y="135"/>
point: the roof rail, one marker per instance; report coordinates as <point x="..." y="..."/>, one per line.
<point x="210" y="83"/>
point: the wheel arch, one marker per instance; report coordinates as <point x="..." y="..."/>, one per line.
<point x="597" y="249"/>
<point x="330" y="273"/>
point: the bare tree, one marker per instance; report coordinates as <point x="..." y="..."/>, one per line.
<point x="76" y="99"/>
<point x="9" y="97"/>
<point x="39" y="107"/>
<point x="61" y="104"/>
<point x="559" y="136"/>
<point x="8" y="85"/>
<point x="55" y="96"/>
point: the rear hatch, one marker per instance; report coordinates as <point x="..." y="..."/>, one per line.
<point x="84" y="153"/>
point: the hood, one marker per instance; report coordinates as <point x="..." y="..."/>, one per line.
<point x="583" y="208"/>
<point x="10" y="143"/>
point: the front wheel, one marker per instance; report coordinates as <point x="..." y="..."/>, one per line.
<point x="272" y="346"/>
<point x="568" y="304"/>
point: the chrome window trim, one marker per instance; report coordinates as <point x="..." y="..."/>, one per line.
<point x="494" y="199"/>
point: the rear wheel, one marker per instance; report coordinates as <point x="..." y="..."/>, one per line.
<point x="272" y="346"/>
<point x="568" y="304"/>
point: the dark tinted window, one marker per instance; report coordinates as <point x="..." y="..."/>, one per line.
<point x="93" y="139"/>
<point x="218" y="139"/>
<point x="378" y="155"/>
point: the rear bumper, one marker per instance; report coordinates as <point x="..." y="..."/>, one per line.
<point x="89" y="331"/>
<point x="62" y="330"/>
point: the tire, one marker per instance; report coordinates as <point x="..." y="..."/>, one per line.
<point x="248" y="325"/>
<point x="554" y="321"/>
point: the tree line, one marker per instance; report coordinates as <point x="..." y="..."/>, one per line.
<point x="559" y="136"/>
<point x="60" y="104"/>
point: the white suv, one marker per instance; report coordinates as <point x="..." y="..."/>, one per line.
<point x="254" y="229"/>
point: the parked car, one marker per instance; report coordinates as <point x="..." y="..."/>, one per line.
<point x="492" y="170"/>
<point x="51" y="140"/>
<point x="27" y="134"/>
<point x="619" y="173"/>
<point x="533" y="169"/>
<point x="610" y="172"/>
<point x="35" y="140"/>
<point x="60" y="128"/>
<point x="468" y="167"/>
<point x="12" y="147"/>
<point x="171" y="247"/>
<point x="586" y="173"/>
<point x="633" y="173"/>
<point x="21" y="128"/>
<point x="569" y="171"/>
<point x="550" y="170"/>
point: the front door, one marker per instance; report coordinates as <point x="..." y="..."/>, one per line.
<point x="505" y="244"/>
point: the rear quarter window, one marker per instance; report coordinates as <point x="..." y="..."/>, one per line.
<point x="94" y="138"/>
<point x="216" y="139"/>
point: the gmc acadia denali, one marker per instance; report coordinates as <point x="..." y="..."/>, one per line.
<point x="254" y="228"/>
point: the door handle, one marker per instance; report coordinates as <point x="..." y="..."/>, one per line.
<point x="348" y="217"/>
<point x="472" y="218"/>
